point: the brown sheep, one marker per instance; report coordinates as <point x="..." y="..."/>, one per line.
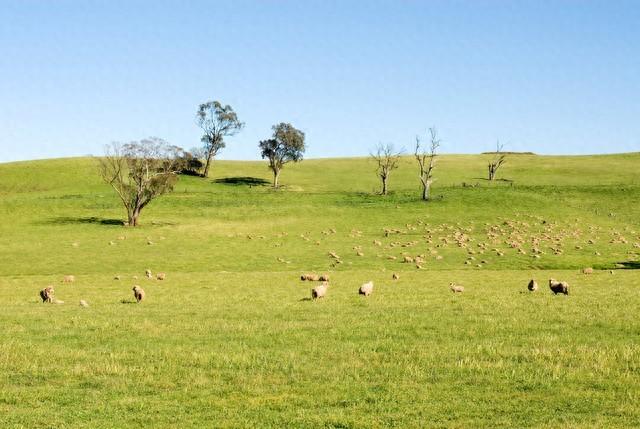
<point x="588" y="270"/>
<point x="456" y="288"/>
<point x="138" y="293"/>
<point x="558" y="287"/>
<point x="309" y="277"/>
<point x="533" y="285"/>
<point x="161" y="276"/>
<point x="69" y="279"/>
<point x="324" y="278"/>
<point x="47" y="294"/>
<point x="319" y="291"/>
<point x="366" y="289"/>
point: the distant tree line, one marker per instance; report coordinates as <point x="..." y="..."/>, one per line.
<point x="140" y="171"/>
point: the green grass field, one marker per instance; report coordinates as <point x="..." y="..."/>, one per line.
<point x="231" y="339"/>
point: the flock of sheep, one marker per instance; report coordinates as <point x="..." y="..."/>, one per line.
<point x="320" y="291"/>
<point x="47" y="294"/>
<point x="366" y="289"/>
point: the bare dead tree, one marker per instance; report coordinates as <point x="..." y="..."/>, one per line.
<point x="427" y="161"/>
<point x="139" y="172"/>
<point x="387" y="160"/>
<point x="217" y="122"/>
<point x="499" y="158"/>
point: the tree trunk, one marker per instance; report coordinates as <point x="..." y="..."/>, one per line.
<point x="384" y="185"/>
<point x="425" y="192"/>
<point x="133" y="217"/>
<point x="492" y="172"/>
<point x="206" y="166"/>
<point x="276" y="176"/>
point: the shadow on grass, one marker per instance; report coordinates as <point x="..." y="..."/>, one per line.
<point x="128" y="301"/>
<point x="242" y="180"/>
<point x="305" y="299"/>
<point x="484" y="179"/>
<point x="69" y="220"/>
<point x="628" y="265"/>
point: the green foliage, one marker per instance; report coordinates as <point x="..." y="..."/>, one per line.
<point x="287" y="145"/>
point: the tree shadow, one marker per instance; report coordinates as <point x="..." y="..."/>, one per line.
<point x="628" y="265"/>
<point x="494" y="180"/>
<point x="242" y="180"/>
<point x="70" y="220"/>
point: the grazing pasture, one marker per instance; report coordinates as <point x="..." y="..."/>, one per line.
<point x="230" y="336"/>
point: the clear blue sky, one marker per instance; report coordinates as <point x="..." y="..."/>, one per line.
<point x="550" y="77"/>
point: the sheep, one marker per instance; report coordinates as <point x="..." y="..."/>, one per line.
<point x="69" y="279"/>
<point x="83" y="303"/>
<point x="148" y="273"/>
<point x="138" y="293"/>
<point x="324" y="278"/>
<point x="588" y="270"/>
<point x="319" y="291"/>
<point x="309" y="277"/>
<point x="116" y="277"/>
<point x="533" y="285"/>
<point x="395" y="276"/>
<point x="161" y="276"/>
<point x="558" y="287"/>
<point x="366" y="289"/>
<point x="47" y="294"/>
<point x="456" y="288"/>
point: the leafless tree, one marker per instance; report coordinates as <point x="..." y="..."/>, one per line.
<point x="427" y="161"/>
<point x="387" y="160"/>
<point x="499" y="158"/>
<point x="140" y="171"/>
<point x="217" y="122"/>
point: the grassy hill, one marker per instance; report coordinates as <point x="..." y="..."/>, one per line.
<point x="230" y="339"/>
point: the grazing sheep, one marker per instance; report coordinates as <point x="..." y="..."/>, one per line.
<point x="319" y="291"/>
<point x="558" y="287"/>
<point x="69" y="279"/>
<point x="533" y="285"/>
<point x="161" y="276"/>
<point x="407" y="259"/>
<point x="366" y="289"/>
<point x="309" y="277"/>
<point x="83" y="303"/>
<point x="116" y="278"/>
<point x="456" y="288"/>
<point x="138" y="293"/>
<point x="47" y="294"/>
<point x="396" y="276"/>
<point x="148" y="273"/>
<point x="588" y="270"/>
<point x="324" y="278"/>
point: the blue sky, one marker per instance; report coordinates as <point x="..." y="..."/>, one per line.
<point x="549" y="77"/>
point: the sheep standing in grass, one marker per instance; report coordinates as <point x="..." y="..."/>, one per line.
<point x="558" y="287"/>
<point x="324" y="278"/>
<point x="138" y="293"/>
<point x="588" y="270"/>
<point x="47" y="294"/>
<point x="456" y="288"/>
<point x="84" y="303"/>
<point x="396" y="276"/>
<point x="148" y="273"/>
<point x="161" y="276"/>
<point x="69" y="279"/>
<point x="366" y="289"/>
<point x="319" y="291"/>
<point x="533" y="285"/>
